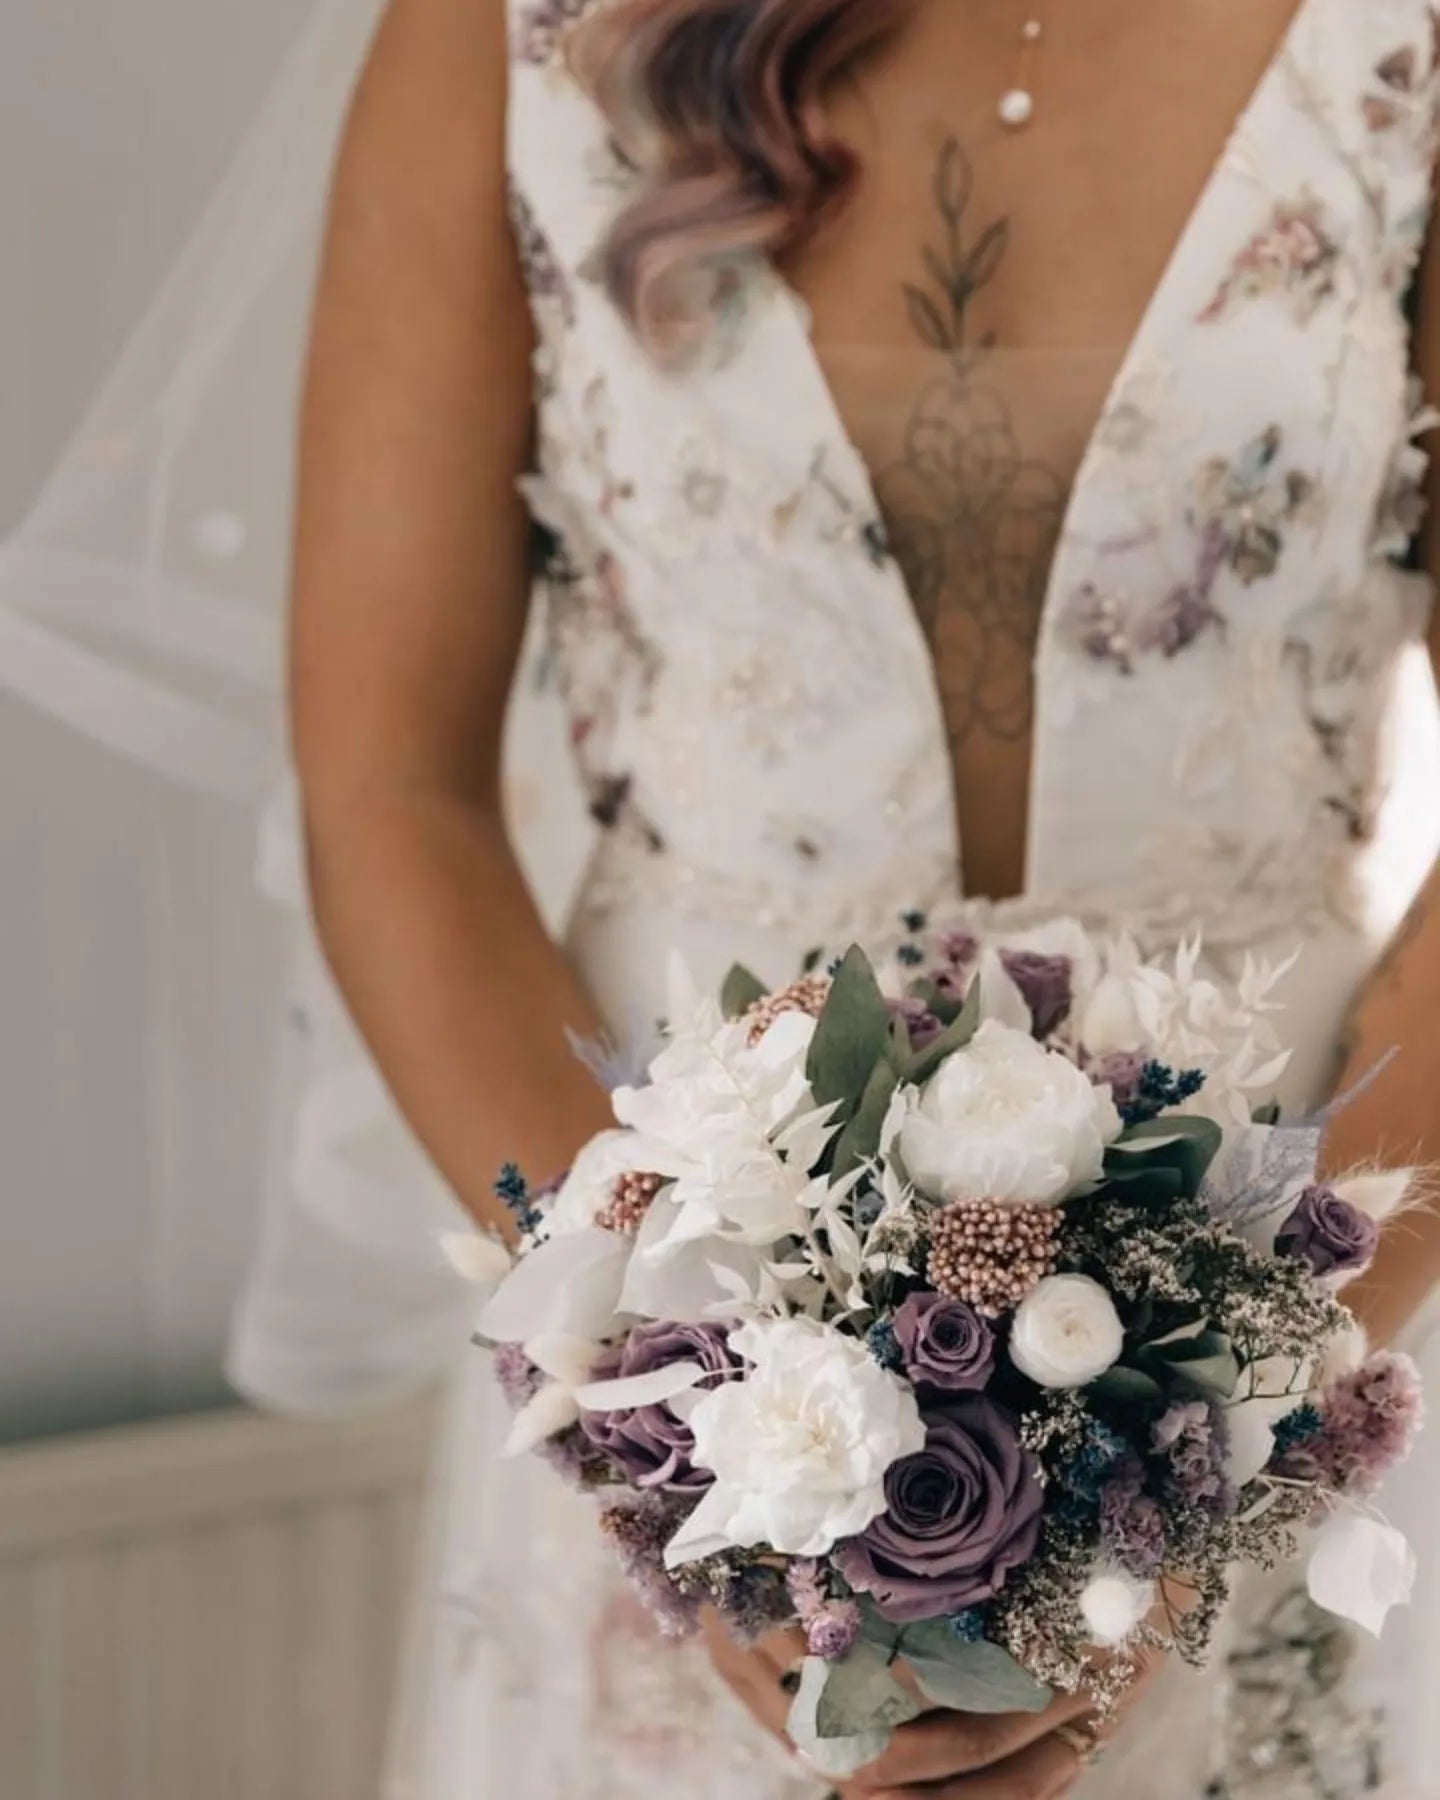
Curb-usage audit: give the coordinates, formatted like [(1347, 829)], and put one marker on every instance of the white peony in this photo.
[(1006, 1119), (1066, 1333), (1114, 1604), (800, 1447)]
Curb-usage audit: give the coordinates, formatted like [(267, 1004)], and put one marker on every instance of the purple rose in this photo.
[(1045, 982), (945, 1343), (651, 1444), (960, 1515), (1329, 1233)]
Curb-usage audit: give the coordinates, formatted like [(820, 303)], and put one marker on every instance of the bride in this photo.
[(957, 448)]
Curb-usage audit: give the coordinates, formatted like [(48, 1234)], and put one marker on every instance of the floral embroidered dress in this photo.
[(1228, 646)]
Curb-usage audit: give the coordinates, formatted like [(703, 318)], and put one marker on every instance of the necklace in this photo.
[(1017, 103)]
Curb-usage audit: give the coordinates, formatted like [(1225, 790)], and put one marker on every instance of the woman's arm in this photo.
[(1397, 1119), (409, 600)]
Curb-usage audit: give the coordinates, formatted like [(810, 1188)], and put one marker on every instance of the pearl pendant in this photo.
[(1017, 108)]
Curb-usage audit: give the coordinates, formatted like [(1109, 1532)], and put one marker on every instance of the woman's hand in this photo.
[(943, 1755)]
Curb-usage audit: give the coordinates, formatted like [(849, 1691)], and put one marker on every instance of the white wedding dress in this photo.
[(1234, 731), (761, 739)]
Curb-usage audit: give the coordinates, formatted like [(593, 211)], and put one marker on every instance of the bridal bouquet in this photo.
[(972, 1311)]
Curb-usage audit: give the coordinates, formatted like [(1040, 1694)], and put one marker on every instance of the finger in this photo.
[(752, 1678), (782, 1650), (941, 1744), (1043, 1770)]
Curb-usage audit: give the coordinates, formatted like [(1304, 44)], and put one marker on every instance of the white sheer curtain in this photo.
[(177, 1077), (129, 1199)]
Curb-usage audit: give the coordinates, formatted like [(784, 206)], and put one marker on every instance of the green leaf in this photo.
[(1146, 1186), (969, 1677), (954, 1037), (861, 1137), (1124, 1386), (851, 1036), (838, 1757), (877, 1630), (1187, 1144), (1206, 1362), (945, 1007), (861, 1695), (741, 991)]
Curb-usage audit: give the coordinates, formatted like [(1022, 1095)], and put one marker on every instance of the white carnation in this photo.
[(1006, 1119), (799, 1448), (1066, 1332)]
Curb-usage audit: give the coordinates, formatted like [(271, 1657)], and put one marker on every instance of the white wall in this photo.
[(116, 117)]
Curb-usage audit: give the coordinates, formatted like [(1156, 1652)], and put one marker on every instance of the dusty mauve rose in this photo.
[(652, 1444), (960, 1515), (1046, 984), (1333, 1236), (945, 1343)]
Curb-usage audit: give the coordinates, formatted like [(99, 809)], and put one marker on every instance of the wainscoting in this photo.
[(206, 1609)]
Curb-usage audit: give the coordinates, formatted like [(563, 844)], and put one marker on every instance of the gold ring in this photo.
[(1081, 1736)]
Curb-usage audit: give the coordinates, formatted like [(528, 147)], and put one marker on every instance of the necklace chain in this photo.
[(1017, 103)]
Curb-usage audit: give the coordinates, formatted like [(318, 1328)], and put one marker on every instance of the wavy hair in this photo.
[(719, 102)]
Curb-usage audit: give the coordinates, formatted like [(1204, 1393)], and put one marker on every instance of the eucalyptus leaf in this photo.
[(1217, 1376), (945, 1007), (954, 1037), (837, 1757), (851, 1035), (1187, 1144), (740, 991), (861, 1137), (1125, 1386), (877, 1630), (1206, 1361), (861, 1695), (973, 1677)]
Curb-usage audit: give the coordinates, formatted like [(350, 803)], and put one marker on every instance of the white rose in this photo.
[(1066, 1332), (1006, 1119), (1114, 1604), (799, 1448)]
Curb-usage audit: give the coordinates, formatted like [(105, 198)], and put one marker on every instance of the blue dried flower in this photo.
[(512, 1189), (913, 921), (1302, 1426), (968, 1626), (868, 1205), (910, 955), (1159, 1088), (1102, 1451), (884, 1346)]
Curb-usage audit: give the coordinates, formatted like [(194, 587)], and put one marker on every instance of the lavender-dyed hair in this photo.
[(720, 101)]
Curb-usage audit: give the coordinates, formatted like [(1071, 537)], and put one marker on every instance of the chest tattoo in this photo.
[(973, 521)]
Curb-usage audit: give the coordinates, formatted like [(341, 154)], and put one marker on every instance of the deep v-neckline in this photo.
[(845, 463)]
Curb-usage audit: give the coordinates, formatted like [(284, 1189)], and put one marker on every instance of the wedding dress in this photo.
[(1235, 732), (1227, 651)]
